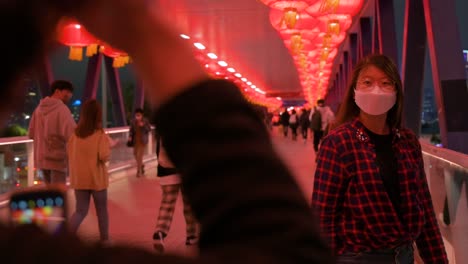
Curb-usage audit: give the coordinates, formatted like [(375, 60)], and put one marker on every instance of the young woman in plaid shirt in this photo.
[(370, 188)]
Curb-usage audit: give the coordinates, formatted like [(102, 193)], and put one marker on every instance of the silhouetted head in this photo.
[(320, 102), (62, 90)]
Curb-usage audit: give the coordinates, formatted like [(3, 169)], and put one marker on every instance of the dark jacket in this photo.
[(284, 118), (145, 130), (304, 119)]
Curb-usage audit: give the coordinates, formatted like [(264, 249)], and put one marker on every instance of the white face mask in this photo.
[(374, 101)]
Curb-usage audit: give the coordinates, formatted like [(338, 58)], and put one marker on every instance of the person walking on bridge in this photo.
[(370, 188), (50, 127)]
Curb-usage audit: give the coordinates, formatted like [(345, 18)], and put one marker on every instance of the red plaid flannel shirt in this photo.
[(355, 211)]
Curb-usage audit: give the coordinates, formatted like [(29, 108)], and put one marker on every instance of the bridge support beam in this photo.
[(412, 65), (448, 72)]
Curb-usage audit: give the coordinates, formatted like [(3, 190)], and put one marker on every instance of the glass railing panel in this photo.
[(447, 174), (17, 157)]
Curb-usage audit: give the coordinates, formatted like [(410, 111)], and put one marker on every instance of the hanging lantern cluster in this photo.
[(220, 69), (73, 34), (313, 30)]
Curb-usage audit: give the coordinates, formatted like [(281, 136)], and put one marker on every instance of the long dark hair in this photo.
[(348, 108), (90, 119)]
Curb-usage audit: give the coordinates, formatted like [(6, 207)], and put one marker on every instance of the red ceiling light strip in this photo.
[(219, 68), (312, 31)]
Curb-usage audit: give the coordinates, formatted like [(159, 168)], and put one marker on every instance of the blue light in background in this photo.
[(77, 103)]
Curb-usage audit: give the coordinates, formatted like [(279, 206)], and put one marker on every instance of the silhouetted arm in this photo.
[(245, 198)]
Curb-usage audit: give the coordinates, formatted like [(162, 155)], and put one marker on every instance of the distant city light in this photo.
[(27, 117), (32, 94), (17, 159), (77, 103)]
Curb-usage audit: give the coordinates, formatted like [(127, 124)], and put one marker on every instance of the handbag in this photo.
[(131, 137)]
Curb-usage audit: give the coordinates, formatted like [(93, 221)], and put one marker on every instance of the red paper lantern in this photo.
[(309, 35), (331, 39), (304, 20), (313, 45), (346, 7), (71, 33), (282, 4), (121, 58), (334, 24), (111, 52)]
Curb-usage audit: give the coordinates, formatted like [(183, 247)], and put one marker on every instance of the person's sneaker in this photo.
[(158, 241), (191, 240)]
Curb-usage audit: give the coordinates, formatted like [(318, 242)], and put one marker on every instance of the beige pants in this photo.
[(138, 152)]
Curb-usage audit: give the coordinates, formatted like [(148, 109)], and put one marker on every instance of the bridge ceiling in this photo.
[(276, 49)]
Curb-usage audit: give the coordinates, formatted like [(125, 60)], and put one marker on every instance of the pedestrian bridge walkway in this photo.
[(134, 202)]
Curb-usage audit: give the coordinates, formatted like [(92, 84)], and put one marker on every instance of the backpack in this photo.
[(316, 120)]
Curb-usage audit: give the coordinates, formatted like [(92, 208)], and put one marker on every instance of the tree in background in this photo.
[(14, 131)]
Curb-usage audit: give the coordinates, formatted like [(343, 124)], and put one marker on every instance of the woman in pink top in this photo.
[(88, 152)]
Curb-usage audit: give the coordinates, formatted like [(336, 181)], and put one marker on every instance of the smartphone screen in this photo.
[(45, 208)]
